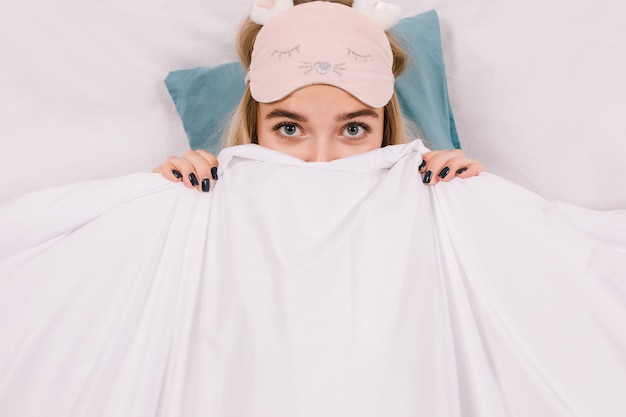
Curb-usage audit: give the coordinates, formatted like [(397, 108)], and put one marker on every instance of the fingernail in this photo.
[(193, 179), (214, 173), (205, 185), (427, 177), (461, 170), (177, 173), (444, 172), (422, 165)]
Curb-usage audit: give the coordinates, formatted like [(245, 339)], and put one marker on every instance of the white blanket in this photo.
[(346, 288)]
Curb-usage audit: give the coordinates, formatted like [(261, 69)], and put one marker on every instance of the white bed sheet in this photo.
[(537, 88), (365, 294)]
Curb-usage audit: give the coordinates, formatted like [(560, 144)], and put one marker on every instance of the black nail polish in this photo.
[(444, 172), (427, 177), (422, 165), (193, 179), (177, 173), (461, 170), (206, 186), (214, 173)]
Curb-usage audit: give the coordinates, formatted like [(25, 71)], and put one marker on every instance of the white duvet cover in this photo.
[(346, 288)]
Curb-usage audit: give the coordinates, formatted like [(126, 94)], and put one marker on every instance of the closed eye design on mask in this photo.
[(359, 57), (287, 53)]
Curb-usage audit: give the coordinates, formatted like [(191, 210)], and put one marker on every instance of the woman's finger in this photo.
[(448, 164)]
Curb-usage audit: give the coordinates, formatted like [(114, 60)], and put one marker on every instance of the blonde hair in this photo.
[(243, 127)]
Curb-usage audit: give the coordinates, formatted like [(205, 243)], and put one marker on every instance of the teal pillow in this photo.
[(206, 97)]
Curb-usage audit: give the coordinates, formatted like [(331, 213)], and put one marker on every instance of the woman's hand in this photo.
[(195, 169), (448, 164)]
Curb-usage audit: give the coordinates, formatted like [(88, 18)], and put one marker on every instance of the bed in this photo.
[(536, 89), (364, 291)]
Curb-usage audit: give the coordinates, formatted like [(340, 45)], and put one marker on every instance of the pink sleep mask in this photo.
[(321, 43)]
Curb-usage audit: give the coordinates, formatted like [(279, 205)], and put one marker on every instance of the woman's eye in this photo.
[(355, 130), (288, 129)]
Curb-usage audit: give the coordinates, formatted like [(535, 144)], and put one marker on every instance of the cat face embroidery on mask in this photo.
[(322, 67)]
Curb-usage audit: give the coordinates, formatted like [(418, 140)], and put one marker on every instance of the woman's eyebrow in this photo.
[(359, 113), (277, 113)]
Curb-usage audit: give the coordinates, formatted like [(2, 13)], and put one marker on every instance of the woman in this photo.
[(195, 168)]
